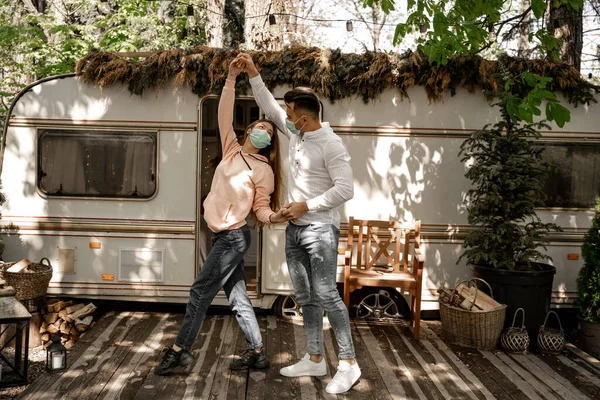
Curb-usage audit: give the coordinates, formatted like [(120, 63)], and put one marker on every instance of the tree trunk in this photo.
[(567, 24), (524, 29), (214, 22), (259, 35)]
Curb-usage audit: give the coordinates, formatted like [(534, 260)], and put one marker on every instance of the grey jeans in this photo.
[(311, 253), (223, 268)]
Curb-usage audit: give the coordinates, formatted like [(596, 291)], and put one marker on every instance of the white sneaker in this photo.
[(305, 367), (346, 376)]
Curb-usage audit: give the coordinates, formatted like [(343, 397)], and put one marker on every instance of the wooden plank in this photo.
[(427, 386), (107, 323), (201, 377), (583, 371), (113, 356), (288, 350), (130, 374), (500, 386), (403, 373), (446, 369), (83, 370), (426, 365), (572, 375), (238, 379), (458, 365), (537, 384), (275, 384), (521, 383), (592, 361), (540, 369), (371, 381), (256, 379), (386, 370), (221, 382), (311, 387)]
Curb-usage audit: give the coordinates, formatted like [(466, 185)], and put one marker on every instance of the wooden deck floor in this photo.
[(114, 360)]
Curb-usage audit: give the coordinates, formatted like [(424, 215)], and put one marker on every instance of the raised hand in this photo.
[(249, 66)]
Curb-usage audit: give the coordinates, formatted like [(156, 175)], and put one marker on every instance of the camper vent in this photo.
[(141, 265), (66, 261)]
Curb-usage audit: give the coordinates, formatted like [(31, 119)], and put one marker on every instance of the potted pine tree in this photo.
[(588, 287), (507, 174)]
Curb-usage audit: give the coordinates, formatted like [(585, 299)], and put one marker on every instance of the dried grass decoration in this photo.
[(515, 339), (551, 340), (331, 73)]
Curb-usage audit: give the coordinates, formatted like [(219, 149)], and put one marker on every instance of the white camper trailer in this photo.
[(109, 185)]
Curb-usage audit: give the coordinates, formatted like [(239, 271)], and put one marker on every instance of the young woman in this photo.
[(246, 182)]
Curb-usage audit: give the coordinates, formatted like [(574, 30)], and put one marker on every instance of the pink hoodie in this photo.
[(241, 182)]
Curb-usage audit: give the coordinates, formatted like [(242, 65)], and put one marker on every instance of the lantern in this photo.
[(56, 356)]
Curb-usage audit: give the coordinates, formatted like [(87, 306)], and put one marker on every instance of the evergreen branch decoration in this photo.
[(588, 281), (331, 73)]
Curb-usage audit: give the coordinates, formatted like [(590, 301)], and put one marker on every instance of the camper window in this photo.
[(85, 163), (576, 181)]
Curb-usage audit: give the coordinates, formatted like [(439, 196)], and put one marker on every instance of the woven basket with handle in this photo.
[(515, 339), (29, 285), (551, 340), (472, 328)]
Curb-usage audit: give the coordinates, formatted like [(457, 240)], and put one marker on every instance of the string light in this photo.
[(190, 15), (349, 26), (423, 30), (492, 33)]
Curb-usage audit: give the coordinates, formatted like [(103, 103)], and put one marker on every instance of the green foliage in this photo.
[(588, 281), (34, 45), (507, 175), (2, 201), (462, 27)]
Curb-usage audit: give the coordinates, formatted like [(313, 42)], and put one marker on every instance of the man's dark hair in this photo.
[(304, 99)]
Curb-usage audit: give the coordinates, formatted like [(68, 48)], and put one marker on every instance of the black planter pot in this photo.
[(530, 290)]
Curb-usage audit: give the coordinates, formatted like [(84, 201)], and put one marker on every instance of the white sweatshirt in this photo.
[(319, 172)]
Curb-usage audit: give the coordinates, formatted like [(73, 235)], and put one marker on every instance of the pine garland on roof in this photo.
[(331, 73)]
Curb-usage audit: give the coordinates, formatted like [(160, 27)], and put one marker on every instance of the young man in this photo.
[(320, 180)]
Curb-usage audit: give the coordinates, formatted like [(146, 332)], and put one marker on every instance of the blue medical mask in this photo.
[(292, 126), (260, 138)]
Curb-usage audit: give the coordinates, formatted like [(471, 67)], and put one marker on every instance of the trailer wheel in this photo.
[(372, 302), (288, 307)]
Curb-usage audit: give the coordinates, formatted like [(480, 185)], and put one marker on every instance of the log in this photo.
[(73, 308), (69, 344), (90, 308), (74, 333), (59, 305), (65, 327), (63, 340), (51, 318), (482, 302), (45, 337), (83, 324), (19, 266), (52, 328), (43, 327)]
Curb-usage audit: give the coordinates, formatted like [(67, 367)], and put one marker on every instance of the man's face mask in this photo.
[(292, 126), (260, 138)]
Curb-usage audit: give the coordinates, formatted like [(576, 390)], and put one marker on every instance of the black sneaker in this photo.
[(250, 358), (173, 359)]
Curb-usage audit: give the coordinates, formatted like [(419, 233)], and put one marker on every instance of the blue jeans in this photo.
[(311, 253), (224, 268)]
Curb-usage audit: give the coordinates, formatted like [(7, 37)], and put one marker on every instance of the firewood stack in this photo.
[(468, 298), (67, 320)]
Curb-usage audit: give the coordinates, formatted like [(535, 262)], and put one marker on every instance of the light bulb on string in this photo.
[(423, 31), (190, 15), (492, 33)]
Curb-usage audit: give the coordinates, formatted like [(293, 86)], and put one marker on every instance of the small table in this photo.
[(14, 328)]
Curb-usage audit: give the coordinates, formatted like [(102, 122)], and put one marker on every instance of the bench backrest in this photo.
[(385, 245)]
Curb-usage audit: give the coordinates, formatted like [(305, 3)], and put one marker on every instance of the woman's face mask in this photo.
[(292, 126), (260, 138)]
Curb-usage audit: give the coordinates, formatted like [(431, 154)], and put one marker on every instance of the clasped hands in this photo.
[(290, 212)]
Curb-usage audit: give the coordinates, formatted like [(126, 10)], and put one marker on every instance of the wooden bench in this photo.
[(385, 254)]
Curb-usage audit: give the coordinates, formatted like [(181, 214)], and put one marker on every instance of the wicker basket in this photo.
[(476, 329), (551, 340), (515, 339), (29, 285)]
